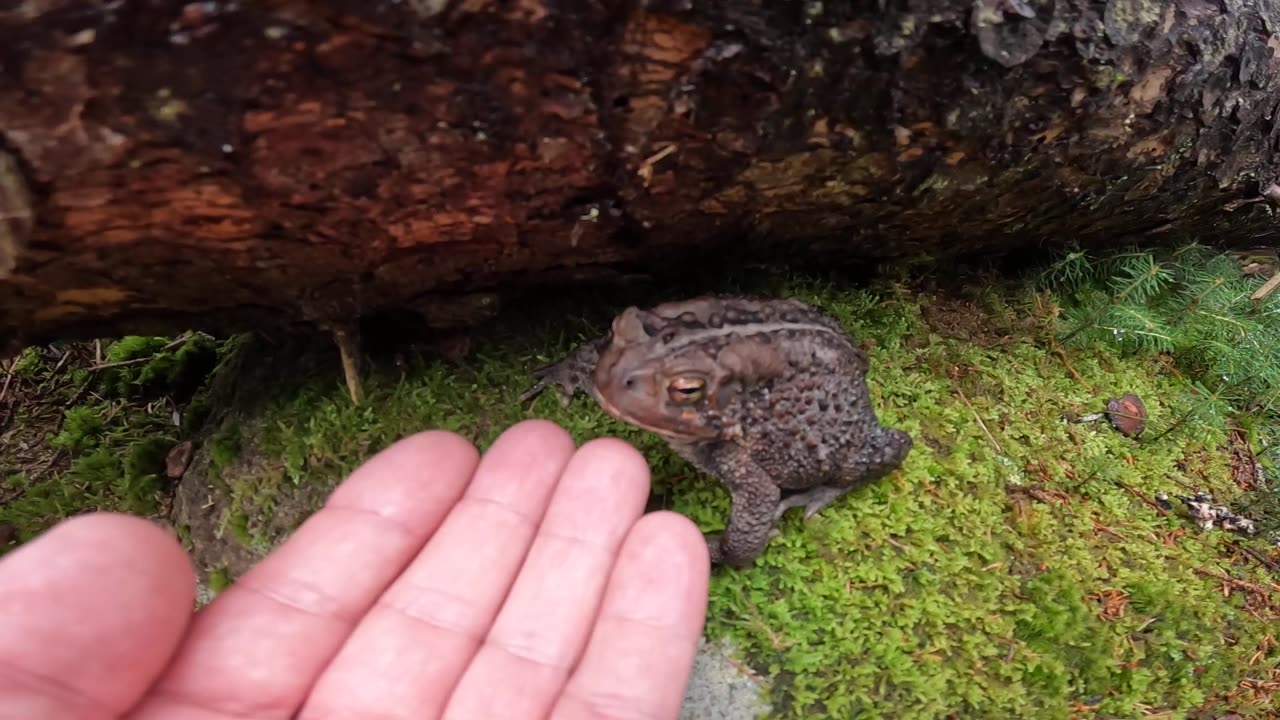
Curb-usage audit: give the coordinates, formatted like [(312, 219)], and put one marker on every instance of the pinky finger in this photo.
[(640, 654)]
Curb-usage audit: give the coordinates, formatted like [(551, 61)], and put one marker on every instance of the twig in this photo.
[(1271, 564), (120, 363), (1234, 582), (8, 378), (61, 361), (348, 342), (1108, 531), (981, 424), (744, 670), (1071, 369), (1267, 288), (4, 393), (1134, 492), (1164, 360)]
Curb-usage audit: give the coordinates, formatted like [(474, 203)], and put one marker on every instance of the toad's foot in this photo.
[(715, 547), (811, 500), (568, 376), (719, 553)]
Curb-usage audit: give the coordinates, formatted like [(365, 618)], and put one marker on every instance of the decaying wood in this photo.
[(172, 165), (1267, 288)]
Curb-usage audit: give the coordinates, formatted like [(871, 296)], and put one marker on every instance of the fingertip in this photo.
[(93, 608), (617, 455), (544, 435), (542, 427), (604, 477), (428, 468), (618, 448), (80, 538), (667, 548), (428, 444), (677, 534)]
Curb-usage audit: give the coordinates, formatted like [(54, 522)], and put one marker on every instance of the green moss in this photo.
[(1060, 634), (183, 533), (219, 580), (199, 411), (173, 367), (110, 447), (144, 468), (237, 523), (82, 429), (948, 587), (28, 362), (224, 449), (97, 470), (1009, 569)]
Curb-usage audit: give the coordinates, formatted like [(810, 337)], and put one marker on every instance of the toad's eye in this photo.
[(686, 389)]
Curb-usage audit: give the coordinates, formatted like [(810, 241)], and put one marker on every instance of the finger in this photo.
[(90, 612), (408, 652), (545, 621), (258, 647), (641, 652)]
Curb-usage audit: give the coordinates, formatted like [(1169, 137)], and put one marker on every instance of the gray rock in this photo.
[(719, 690)]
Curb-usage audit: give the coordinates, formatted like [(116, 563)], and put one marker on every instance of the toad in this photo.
[(767, 395)]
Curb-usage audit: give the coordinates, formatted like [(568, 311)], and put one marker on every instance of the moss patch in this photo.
[(87, 426), (1016, 566)]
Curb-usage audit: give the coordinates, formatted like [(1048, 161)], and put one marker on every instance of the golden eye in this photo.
[(686, 389)]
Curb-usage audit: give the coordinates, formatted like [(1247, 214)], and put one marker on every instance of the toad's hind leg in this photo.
[(812, 500), (880, 455)]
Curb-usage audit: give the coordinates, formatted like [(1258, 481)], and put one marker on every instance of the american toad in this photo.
[(767, 395)]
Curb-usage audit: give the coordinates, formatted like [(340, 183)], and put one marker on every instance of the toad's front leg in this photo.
[(569, 375), (751, 519)]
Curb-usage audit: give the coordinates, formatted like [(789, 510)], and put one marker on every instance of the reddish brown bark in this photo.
[(167, 165)]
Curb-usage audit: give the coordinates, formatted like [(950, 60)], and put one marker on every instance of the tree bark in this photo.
[(170, 165)]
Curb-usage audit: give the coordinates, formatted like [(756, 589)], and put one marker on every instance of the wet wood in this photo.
[(171, 165)]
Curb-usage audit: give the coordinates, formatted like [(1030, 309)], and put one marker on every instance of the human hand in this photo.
[(433, 584)]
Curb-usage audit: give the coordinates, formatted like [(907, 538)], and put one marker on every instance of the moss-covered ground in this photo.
[(88, 427), (1018, 566)]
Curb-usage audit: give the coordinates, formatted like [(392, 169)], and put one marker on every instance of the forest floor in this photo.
[(1022, 563)]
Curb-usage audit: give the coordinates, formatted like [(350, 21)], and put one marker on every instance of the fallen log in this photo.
[(171, 165)]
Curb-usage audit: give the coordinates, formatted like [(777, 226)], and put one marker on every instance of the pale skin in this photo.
[(434, 583)]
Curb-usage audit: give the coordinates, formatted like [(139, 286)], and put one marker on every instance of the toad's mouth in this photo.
[(666, 432)]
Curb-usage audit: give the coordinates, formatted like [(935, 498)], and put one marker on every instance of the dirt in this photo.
[(964, 319), (31, 411), (1246, 472)]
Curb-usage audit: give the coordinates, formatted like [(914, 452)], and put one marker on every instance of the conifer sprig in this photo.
[(1195, 305)]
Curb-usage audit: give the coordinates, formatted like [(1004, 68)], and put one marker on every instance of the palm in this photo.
[(433, 584)]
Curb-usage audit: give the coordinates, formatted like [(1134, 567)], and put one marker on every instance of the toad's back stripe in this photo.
[(680, 343)]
